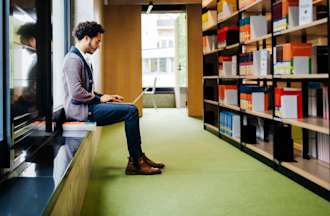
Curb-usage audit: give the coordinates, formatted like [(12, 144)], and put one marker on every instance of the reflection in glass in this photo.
[(23, 63)]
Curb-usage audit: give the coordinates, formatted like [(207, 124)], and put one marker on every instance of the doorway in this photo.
[(164, 59)]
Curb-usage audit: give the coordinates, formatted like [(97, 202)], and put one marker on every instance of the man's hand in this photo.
[(111, 98)]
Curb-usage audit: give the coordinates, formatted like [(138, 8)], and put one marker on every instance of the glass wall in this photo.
[(1, 75), (24, 70)]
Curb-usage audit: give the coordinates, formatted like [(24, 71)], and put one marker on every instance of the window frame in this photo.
[(4, 70), (1, 79)]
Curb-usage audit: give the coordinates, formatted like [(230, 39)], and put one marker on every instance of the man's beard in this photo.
[(90, 49)]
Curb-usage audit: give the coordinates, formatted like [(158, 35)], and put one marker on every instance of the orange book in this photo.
[(291, 50)]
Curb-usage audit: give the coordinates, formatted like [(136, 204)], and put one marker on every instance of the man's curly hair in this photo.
[(90, 29), (27, 32)]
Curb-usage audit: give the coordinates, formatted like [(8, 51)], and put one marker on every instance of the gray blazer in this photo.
[(76, 85)]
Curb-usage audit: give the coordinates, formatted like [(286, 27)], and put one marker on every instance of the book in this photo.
[(305, 11), (290, 107)]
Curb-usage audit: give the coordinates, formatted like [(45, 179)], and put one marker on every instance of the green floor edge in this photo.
[(204, 175)]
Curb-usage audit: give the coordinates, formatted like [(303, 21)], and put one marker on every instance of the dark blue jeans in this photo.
[(110, 113)]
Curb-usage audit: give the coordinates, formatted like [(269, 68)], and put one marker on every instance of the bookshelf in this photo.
[(303, 76), (210, 77), (265, 37), (228, 18), (224, 66), (263, 148), (318, 27), (212, 102), (257, 6), (231, 107)]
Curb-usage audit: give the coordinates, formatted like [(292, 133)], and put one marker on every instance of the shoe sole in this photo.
[(141, 173)]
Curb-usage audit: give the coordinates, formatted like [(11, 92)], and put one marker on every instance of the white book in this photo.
[(227, 10), (258, 101), (227, 67), (260, 132), (258, 25), (280, 25), (301, 65), (211, 18), (312, 102), (256, 63), (236, 126), (264, 63), (323, 148), (293, 17), (312, 144), (289, 106), (282, 68), (234, 65), (305, 11), (230, 97)]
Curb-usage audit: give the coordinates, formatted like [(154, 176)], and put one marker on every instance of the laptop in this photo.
[(134, 101)]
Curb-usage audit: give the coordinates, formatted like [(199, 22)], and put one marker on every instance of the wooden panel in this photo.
[(72, 192), (122, 52), (163, 2), (195, 61)]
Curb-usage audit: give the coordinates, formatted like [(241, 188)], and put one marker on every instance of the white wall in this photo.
[(58, 53), (91, 10)]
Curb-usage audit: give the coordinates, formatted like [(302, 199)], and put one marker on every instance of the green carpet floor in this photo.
[(204, 176)]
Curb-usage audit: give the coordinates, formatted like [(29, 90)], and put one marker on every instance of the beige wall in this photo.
[(91, 10), (122, 51), (98, 56), (195, 61)]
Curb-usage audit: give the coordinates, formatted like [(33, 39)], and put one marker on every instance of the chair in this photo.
[(152, 92)]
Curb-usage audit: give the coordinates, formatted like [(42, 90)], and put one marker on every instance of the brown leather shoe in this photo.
[(152, 163), (144, 169)]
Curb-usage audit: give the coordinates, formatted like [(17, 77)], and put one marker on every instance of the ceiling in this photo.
[(155, 2)]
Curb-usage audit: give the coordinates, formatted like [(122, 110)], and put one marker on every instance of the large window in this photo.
[(158, 65)]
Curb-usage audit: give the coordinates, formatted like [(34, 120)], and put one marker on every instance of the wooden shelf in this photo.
[(232, 107), (212, 127), (302, 76), (315, 124), (229, 77), (232, 46), (265, 37), (214, 27), (256, 77), (318, 2), (210, 77), (210, 52), (258, 6), (238, 140), (263, 148), (315, 170), (310, 28), (228, 18), (229, 47), (211, 102), (267, 115), (211, 4)]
